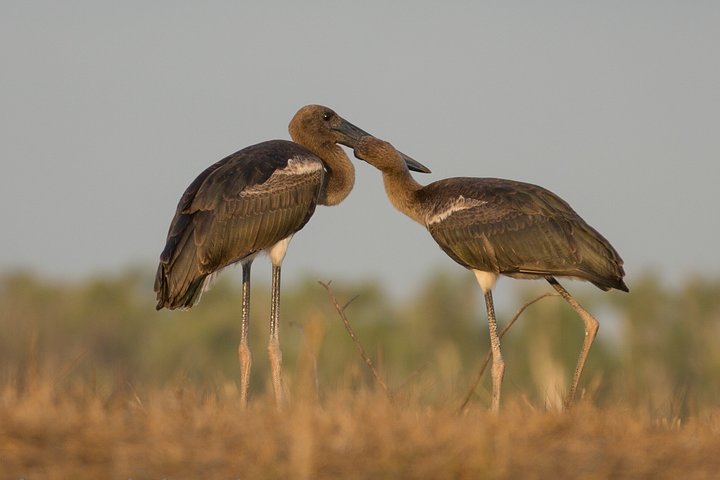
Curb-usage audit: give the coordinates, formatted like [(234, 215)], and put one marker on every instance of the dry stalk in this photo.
[(361, 350), (484, 365), (308, 384)]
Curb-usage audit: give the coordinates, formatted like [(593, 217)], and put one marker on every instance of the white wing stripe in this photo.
[(443, 212), (296, 167)]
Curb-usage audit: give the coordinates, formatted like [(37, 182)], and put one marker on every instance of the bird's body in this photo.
[(517, 229), (498, 227), (252, 201), (240, 206)]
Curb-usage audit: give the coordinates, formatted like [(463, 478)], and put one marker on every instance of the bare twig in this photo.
[(341, 311), (137, 397), (484, 365)]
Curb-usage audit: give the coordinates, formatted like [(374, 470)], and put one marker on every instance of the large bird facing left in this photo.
[(494, 227), (254, 201)]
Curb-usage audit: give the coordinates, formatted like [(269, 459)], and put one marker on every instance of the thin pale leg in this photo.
[(498, 366), (591, 329), (243, 349), (274, 351), (277, 254)]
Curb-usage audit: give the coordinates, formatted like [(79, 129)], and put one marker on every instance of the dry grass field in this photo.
[(94, 384), (187, 433)]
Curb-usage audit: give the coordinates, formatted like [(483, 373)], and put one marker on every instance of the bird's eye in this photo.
[(327, 116)]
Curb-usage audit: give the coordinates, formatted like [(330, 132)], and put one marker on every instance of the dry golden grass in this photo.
[(74, 405), (351, 434)]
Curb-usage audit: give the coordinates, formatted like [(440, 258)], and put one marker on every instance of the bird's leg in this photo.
[(498, 365), (591, 329), (243, 349), (274, 351)]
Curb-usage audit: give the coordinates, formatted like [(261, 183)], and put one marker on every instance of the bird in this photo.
[(251, 202), (495, 227)]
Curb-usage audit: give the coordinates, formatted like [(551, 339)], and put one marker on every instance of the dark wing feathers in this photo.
[(518, 229), (239, 227), (234, 209)]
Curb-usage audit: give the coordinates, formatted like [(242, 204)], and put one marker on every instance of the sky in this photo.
[(108, 110)]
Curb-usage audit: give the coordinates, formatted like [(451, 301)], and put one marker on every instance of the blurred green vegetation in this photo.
[(657, 347)]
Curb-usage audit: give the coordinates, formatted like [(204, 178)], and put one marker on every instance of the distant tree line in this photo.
[(657, 347)]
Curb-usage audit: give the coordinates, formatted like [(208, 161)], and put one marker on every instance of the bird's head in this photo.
[(315, 125)]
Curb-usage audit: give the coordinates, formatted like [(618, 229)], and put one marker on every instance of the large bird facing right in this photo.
[(254, 201), (502, 227)]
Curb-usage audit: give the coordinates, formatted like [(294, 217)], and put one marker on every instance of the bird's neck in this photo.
[(401, 188), (340, 176)]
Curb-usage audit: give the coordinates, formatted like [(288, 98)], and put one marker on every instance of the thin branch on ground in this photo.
[(486, 361), (341, 311)]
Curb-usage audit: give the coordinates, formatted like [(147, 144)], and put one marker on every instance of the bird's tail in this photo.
[(179, 282), (600, 261), (172, 294)]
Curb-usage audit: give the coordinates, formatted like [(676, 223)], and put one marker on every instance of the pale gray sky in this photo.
[(109, 109)]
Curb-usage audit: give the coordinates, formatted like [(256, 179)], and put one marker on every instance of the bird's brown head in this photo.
[(315, 125), (383, 156), (318, 128)]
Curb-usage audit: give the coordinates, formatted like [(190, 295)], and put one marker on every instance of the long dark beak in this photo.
[(414, 165), (350, 135)]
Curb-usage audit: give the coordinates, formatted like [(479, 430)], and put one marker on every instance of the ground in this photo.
[(183, 432)]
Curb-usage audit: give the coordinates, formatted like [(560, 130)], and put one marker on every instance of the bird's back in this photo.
[(234, 209), (517, 229)]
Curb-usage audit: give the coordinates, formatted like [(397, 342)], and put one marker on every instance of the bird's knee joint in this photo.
[(591, 328)]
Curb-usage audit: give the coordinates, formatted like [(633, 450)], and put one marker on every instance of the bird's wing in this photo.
[(237, 207), (518, 229), (233, 221)]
